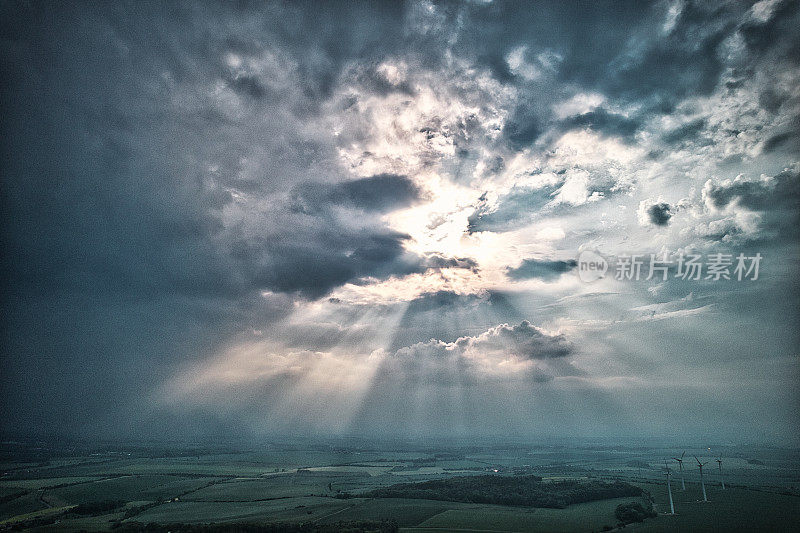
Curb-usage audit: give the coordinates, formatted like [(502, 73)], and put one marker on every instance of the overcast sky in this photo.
[(365, 218)]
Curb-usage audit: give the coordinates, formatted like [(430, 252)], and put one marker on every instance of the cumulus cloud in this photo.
[(504, 352), (525, 341)]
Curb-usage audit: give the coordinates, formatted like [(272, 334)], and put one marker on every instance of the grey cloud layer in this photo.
[(543, 269), (163, 165)]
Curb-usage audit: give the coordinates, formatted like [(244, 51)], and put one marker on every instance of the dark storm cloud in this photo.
[(108, 211), (152, 187), (249, 85), (380, 193), (323, 38), (314, 261), (435, 301), (620, 50), (117, 162), (587, 45), (776, 35), (782, 139), (659, 214), (772, 99), (314, 258), (604, 122), (522, 131), (788, 140), (658, 69), (687, 132), (779, 192), (776, 199), (541, 269)]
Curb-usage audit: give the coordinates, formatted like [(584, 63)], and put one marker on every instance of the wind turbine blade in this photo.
[(684, 453)]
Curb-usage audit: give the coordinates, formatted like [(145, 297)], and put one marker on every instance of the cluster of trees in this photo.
[(628, 513), (528, 491), (97, 508)]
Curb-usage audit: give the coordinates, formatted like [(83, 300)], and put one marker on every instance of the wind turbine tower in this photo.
[(702, 484), (669, 489), (680, 467), (722, 479)]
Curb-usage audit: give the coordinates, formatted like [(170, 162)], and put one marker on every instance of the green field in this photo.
[(289, 509), (326, 487), (305, 484), (42, 483), (406, 512), (734, 509), (25, 504), (579, 517)]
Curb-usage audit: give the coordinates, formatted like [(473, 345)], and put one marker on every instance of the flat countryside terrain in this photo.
[(368, 487)]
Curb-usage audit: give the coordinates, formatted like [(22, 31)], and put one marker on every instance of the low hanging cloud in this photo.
[(521, 352), (656, 214), (379, 193), (314, 256)]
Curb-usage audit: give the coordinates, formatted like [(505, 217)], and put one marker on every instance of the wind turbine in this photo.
[(680, 466), (669, 488), (702, 484), (722, 479)]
